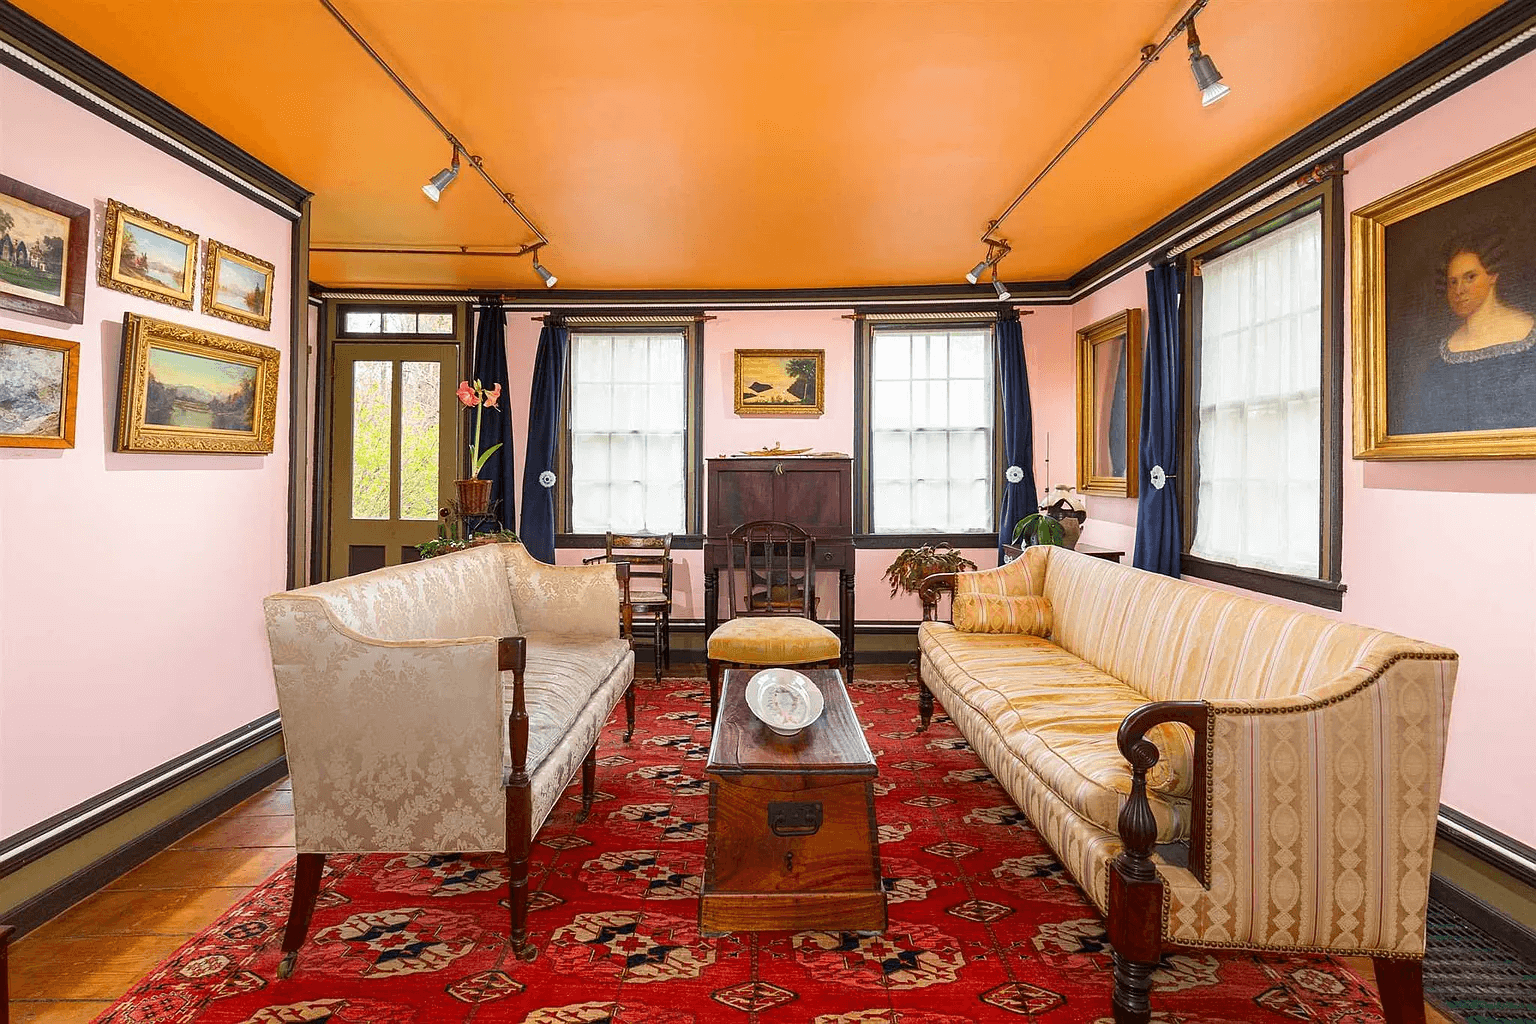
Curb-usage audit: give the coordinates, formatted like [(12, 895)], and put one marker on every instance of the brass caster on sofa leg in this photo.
[(286, 965), (526, 952)]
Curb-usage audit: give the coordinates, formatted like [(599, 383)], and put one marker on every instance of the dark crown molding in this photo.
[(49, 47)]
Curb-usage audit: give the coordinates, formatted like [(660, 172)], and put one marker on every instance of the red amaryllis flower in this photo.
[(467, 394), (493, 396)]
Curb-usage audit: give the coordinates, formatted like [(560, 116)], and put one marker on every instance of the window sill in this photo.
[(1318, 593), (912, 540)]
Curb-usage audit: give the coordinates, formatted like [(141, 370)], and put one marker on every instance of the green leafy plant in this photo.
[(914, 565), (1038, 528)]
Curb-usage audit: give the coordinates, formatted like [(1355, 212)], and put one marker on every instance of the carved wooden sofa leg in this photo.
[(924, 703), (306, 889), (1401, 984), (513, 656), (588, 781)]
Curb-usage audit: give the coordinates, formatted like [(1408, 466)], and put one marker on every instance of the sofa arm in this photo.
[(930, 590), (569, 600), (392, 745), (1320, 811)]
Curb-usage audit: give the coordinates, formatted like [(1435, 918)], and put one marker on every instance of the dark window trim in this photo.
[(863, 483), (1326, 591), (912, 540), (453, 309), (599, 542), (693, 434)]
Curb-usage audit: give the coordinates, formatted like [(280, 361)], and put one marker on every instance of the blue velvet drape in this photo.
[(538, 525), (1020, 497), (1159, 529), (496, 424)]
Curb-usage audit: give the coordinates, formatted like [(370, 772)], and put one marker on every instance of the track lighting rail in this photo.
[(1149, 54), (458, 147)]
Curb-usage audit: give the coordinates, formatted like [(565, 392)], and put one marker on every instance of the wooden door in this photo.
[(394, 450)]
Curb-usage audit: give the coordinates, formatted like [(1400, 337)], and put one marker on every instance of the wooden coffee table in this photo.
[(792, 840)]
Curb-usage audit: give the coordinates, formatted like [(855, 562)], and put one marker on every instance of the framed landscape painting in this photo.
[(43, 242), (185, 390), (145, 256), (1109, 404), (1445, 313), (780, 381), (237, 286), (39, 380)]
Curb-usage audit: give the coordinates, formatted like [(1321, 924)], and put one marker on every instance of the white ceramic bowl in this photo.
[(784, 700)]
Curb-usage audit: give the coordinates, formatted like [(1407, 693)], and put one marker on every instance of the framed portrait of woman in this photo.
[(1445, 313)]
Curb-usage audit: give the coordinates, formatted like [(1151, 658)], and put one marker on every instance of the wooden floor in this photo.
[(73, 968)]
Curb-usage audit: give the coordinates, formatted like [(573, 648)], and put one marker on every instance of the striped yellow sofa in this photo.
[(1213, 771)]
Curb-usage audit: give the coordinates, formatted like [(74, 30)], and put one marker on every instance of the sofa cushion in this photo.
[(994, 613), (562, 674), (773, 640), (1059, 715)]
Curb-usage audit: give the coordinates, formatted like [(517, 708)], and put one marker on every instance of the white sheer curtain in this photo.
[(1258, 450), (629, 416), (931, 431)]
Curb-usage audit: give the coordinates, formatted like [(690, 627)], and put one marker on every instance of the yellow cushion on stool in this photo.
[(773, 640)]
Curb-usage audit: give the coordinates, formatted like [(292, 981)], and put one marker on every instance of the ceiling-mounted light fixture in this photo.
[(999, 287), (975, 272), (442, 179), (1206, 75), (548, 278)]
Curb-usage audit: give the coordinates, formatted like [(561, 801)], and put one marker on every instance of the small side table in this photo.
[(1012, 551)]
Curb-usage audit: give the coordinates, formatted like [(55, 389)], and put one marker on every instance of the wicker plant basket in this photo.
[(474, 496)]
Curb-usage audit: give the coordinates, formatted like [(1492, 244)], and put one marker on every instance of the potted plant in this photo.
[(474, 493), (914, 565), (1038, 528)]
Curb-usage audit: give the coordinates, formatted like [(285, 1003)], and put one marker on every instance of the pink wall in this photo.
[(1439, 551), (130, 585)]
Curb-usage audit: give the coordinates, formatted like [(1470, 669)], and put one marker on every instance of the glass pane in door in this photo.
[(420, 384), (372, 415)]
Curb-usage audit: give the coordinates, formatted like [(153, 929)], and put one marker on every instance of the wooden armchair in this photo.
[(771, 595), (650, 586)]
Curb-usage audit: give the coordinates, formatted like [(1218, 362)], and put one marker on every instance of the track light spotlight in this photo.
[(548, 278), (978, 270), (999, 287), (442, 179), (1207, 77)]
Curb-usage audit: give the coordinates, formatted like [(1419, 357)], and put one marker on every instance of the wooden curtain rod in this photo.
[(597, 320), (980, 314)]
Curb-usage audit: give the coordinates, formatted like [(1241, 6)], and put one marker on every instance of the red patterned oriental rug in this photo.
[(985, 925)]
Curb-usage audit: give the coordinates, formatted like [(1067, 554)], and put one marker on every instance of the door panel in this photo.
[(394, 450)]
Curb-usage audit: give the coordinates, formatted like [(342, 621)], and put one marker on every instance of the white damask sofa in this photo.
[(1213, 771), (443, 706)]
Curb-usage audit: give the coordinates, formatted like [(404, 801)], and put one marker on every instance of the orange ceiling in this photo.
[(746, 143)]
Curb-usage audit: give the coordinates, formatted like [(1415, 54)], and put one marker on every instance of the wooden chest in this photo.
[(792, 838)]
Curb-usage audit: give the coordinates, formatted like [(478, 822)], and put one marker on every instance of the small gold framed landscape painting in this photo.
[(236, 286), (780, 381), (145, 256), (39, 379), (185, 390), (1109, 404), (1445, 313)]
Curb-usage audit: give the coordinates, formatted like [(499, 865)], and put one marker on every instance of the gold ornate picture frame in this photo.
[(39, 388), (1109, 404), (780, 381), (185, 390), (146, 256), (1444, 297), (237, 286)]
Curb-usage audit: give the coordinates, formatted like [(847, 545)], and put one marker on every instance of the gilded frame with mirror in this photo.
[(185, 390), (1426, 387), (1109, 404)]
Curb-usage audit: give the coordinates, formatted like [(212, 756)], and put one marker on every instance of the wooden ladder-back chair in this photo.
[(771, 603), (650, 586)]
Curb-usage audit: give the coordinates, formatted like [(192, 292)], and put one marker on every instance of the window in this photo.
[(628, 417), (408, 322), (1262, 419), (931, 425)]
